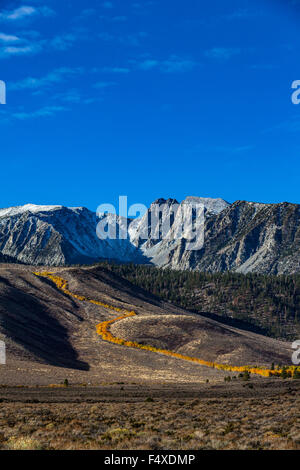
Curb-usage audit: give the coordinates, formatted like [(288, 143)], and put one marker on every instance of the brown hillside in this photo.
[(51, 336)]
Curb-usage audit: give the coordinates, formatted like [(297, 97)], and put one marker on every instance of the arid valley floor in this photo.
[(160, 417)]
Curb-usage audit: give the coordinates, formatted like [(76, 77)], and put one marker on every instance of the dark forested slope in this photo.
[(269, 303)]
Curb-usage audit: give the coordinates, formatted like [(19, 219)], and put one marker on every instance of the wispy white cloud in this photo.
[(63, 42), (103, 85), (264, 66), (25, 12), (74, 96), (52, 78), (105, 36), (25, 42), (222, 53), (148, 64), (11, 45), (226, 149), (119, 19), (88, 12), (8, 38), (134, 39), (108, 5), (121, 70), (29, 34), (66, 40), (233, 149), (18, 13), (173, 64), (142, 7), (46, 11), (60, 103), (69, 96), (177, 64), (28, 49), (290, 125), (85, 14), (46, 111)]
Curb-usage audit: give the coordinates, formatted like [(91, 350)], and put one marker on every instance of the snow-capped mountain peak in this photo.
[(33, 208), (215, 206)]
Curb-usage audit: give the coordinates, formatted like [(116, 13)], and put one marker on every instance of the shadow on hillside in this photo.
[(32, 326), (240, 324)]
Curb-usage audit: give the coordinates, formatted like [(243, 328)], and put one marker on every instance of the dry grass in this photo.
[(236, 423)]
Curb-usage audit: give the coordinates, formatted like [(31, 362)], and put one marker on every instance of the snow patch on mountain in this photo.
[(33, 208), (215, 206)]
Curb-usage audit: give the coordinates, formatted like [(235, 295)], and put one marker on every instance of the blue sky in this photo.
[(149, 99)]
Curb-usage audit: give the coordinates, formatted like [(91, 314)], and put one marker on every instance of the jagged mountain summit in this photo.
[(242, 237), (170, 250), (213, 206)]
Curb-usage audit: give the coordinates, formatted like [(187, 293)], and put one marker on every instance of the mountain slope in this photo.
[(57, 235), (251, 237), (265, 304), (45, 328)]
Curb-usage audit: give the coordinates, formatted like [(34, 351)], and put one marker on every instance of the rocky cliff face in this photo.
[(172, 249), (243, 237), (251, 237)]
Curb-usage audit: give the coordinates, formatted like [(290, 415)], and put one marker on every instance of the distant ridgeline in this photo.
[(261, 303), (243, 237)]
